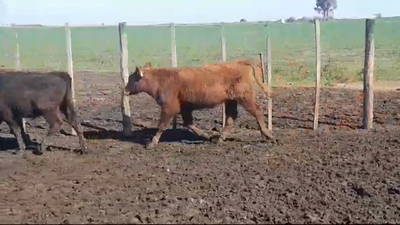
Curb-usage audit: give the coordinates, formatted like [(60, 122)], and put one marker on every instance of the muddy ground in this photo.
[(336, 174)]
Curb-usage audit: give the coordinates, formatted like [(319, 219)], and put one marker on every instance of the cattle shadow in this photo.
[(143, 135), (10, 143)]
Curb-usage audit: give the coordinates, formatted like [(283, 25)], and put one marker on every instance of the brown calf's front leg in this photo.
[(167, 113), (187, 118)]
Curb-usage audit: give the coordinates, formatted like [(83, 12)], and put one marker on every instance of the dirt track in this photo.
[(336, 174)]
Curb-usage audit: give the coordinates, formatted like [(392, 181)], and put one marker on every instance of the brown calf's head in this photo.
[(135, 82)]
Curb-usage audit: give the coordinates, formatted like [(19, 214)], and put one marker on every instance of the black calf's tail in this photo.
[(67, 107), (69, 111)]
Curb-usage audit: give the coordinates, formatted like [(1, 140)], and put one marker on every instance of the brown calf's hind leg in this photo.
[(231, 114), (167, 113), (53, 119), (254, 109), (187, 118)]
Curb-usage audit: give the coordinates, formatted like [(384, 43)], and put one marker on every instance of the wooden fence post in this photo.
[(269, 80), (6, 47), (70, 64), (125, 107), (223, 55), (223, 45), (174, 62), (17, 60), (317, 71), (263, 70), (368, 109), (17, 56)]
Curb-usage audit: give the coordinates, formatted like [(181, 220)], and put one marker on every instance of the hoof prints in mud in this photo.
[(336, 174)]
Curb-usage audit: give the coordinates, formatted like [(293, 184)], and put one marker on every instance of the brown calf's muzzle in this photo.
[(131, 88), (126, 91)]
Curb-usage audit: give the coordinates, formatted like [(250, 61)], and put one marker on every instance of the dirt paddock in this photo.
[(336, 174)]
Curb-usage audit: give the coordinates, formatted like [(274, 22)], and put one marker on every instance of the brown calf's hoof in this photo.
[(150, 145), (217, 139), (272, 138), (275, 141)]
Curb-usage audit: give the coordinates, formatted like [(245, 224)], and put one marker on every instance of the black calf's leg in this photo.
[(25, 136), (54, 120), (73, 121), (16, 130)]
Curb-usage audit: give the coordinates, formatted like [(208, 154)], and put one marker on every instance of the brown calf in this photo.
[(183, 90)]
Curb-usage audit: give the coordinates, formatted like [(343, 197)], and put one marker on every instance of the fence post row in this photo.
[(317, 43), (223, 57), (70, 65), (368, 109), (125, 107), (174, 63), (367, 120)]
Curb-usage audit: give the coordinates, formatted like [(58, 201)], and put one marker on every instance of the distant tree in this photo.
[(326, 8), (290, 20), (243, 20)]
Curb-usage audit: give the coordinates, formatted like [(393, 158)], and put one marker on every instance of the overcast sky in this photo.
[(57, 12)]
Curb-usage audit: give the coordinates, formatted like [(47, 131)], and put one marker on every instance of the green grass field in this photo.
[(97, 48)]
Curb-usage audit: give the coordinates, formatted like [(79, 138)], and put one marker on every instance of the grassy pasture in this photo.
[(97, 48)]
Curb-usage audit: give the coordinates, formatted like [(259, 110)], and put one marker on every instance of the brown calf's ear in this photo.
[(147, 65), (137, 70)]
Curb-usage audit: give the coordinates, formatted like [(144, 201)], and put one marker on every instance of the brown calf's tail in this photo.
[(257, 72)]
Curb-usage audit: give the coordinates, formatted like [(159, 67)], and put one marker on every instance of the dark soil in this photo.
[(339, 173)]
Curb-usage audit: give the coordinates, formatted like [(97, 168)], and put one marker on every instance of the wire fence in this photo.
[(97, 48)]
